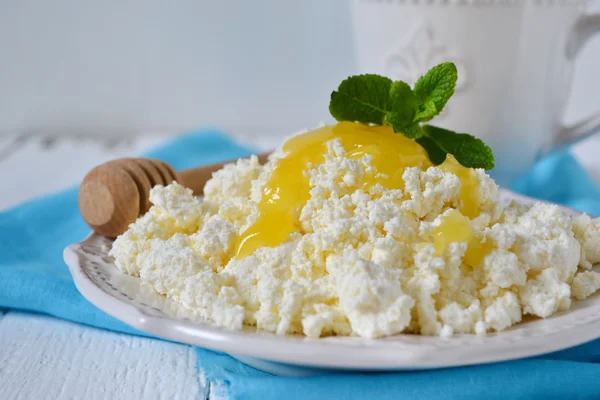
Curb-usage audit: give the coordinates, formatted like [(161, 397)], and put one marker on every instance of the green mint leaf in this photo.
[(426, 112), (436, 86), (362, 98), (413, 131), (398, 123), (435, 153), (404, 105), (468, 150)]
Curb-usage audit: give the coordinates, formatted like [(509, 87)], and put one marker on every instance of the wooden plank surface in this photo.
[(45, 358)]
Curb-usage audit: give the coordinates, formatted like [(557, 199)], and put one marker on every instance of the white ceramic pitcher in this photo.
[(515, 61)]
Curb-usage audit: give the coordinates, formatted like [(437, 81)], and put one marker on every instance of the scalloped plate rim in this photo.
[(335, 353)]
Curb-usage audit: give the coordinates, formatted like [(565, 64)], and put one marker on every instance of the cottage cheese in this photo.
[(363, 261)]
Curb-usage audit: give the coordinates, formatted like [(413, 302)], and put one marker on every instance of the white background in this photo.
[(124, 67)]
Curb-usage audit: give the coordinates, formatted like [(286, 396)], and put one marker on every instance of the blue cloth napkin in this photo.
[(33, 277)]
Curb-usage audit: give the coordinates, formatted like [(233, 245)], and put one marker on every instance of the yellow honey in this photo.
[(469, 191), (287, 190), (476, 251), (455, 227)]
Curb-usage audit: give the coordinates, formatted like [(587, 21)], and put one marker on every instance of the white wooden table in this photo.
[(46, 358)]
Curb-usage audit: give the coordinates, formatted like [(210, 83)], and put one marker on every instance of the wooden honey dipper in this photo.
[(116, 193)]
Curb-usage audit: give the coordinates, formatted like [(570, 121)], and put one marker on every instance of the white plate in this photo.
[(122, 296)]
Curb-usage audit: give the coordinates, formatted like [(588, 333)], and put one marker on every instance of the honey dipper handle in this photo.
[(195, 178)]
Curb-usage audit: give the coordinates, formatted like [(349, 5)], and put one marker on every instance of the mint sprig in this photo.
[(374, 99)]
